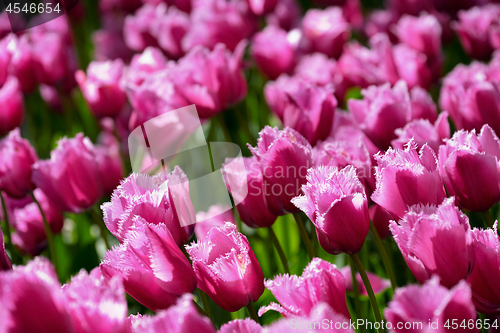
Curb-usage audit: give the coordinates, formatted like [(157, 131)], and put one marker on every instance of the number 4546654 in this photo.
[(471, 324), (33, 8)]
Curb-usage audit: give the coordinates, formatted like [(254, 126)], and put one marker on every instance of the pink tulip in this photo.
[(422, 105), (109, 42), (421, 33), (241, 326), (405, 178), (464, 155), (215, 217), (327, 30), (260, 7), (154, 270), (337, 205), (5, 263), (138, 28), (418, 307), (321, 281), (18, 156), (102, 87), (70, 179), (378, 284), (226, 268), (179, 318), (381, 21), (21, 61), (273, 52), (140, 197), (284, 158), (151, 60), (436, 240), (30, 232), (170, 30), (31, 299), (109, 162), (94, 304), (286, 15), (60, 25), (5, 57), (486, 272), (219, 21), (381, 219), (422, 132), (11, 99), (411, 66)]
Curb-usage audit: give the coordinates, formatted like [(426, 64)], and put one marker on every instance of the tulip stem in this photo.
[(204, 301), (252, 313), (200, 310), (49, 234), (488, 219), (279, 249), (220, 120), (368, 287), (355, 288), (100, 223), (304, 235), (385, 257), (10, 246)]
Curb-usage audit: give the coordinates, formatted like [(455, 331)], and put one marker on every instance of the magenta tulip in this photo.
[(151, 60), (18, 156), (5, 263), (154, 270), (109, 42), (260, 7), (138, 28), (216, 216), (11, 99), (241, 326), (466, 154), (284, 158), (381, 21), (411, 66), (170, 30), (321, 281), (226, 268), (286, 15), (378, 284), (381, 219), (109, 162), (336, 202), (405, 178), (21, 63), (486, 272), (421, 33)]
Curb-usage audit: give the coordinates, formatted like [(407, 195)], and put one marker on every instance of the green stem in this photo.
[(100, 223), (385, 257), (200, 310), (304, 235), (368, 287), (355, 287), (488, 220), (222, 124), (279, 249), (49, 234), (252, 313), (10, 246), (204, 301)]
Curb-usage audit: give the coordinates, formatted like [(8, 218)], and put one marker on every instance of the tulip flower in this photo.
[(327, 30), (378, 284), (436, 240), (422, 33), (260, 7), (284, 158), (170, 30), (321, 281), (102, 87), (226, 268), (422, 105), (30, 232), (142, 65), (486, 272), (464, 155), (11, 99), (138, 28), (18, 49), (411, 7), (336, 202), (31, 299), (381, 21), (109, 162), (70, 179), (179, 318), (273, 52), (286, 15), (418, 307), (252, 210), (405, 178), (18, 156), (241, 326), (5, 263), (381, 219), (109, 42), (154, 270), (216, 216), (411, 66), (94, 304)]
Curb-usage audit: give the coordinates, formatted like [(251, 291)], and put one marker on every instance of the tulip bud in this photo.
[(11, 99), (284, 158), (464, 155), (226, 268)]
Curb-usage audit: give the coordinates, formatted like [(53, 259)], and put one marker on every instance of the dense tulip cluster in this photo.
[(361, 155)]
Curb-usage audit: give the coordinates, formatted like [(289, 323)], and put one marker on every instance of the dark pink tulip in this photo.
[(109, 162), (379, 284), (30, 233), (412, 66), (307, 108), (422, 132), (103, 88), (170, 30), (11, 99), (411, 7), (417, 306), (473, 29), (380, 219), (241, 326), (260, 7), (128, 6), (421, 33), (286, 15), (21, 61), (436, 240), (140, 197), (337, 205), (17, 157), (31, 300), (179, 318), (327, 30), (109, 42), (284, 158), (486, 272), (273, 52), (219, 21), (381, 21), (154, 270), (465, 156), (252, 210), (142, 65), (70, 179), (216, 216), (321, 281), (405, 178), (422, 105), (5, 263), (96, 305), (226, 268), (4, 58), (138, 29), (60, 25)]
